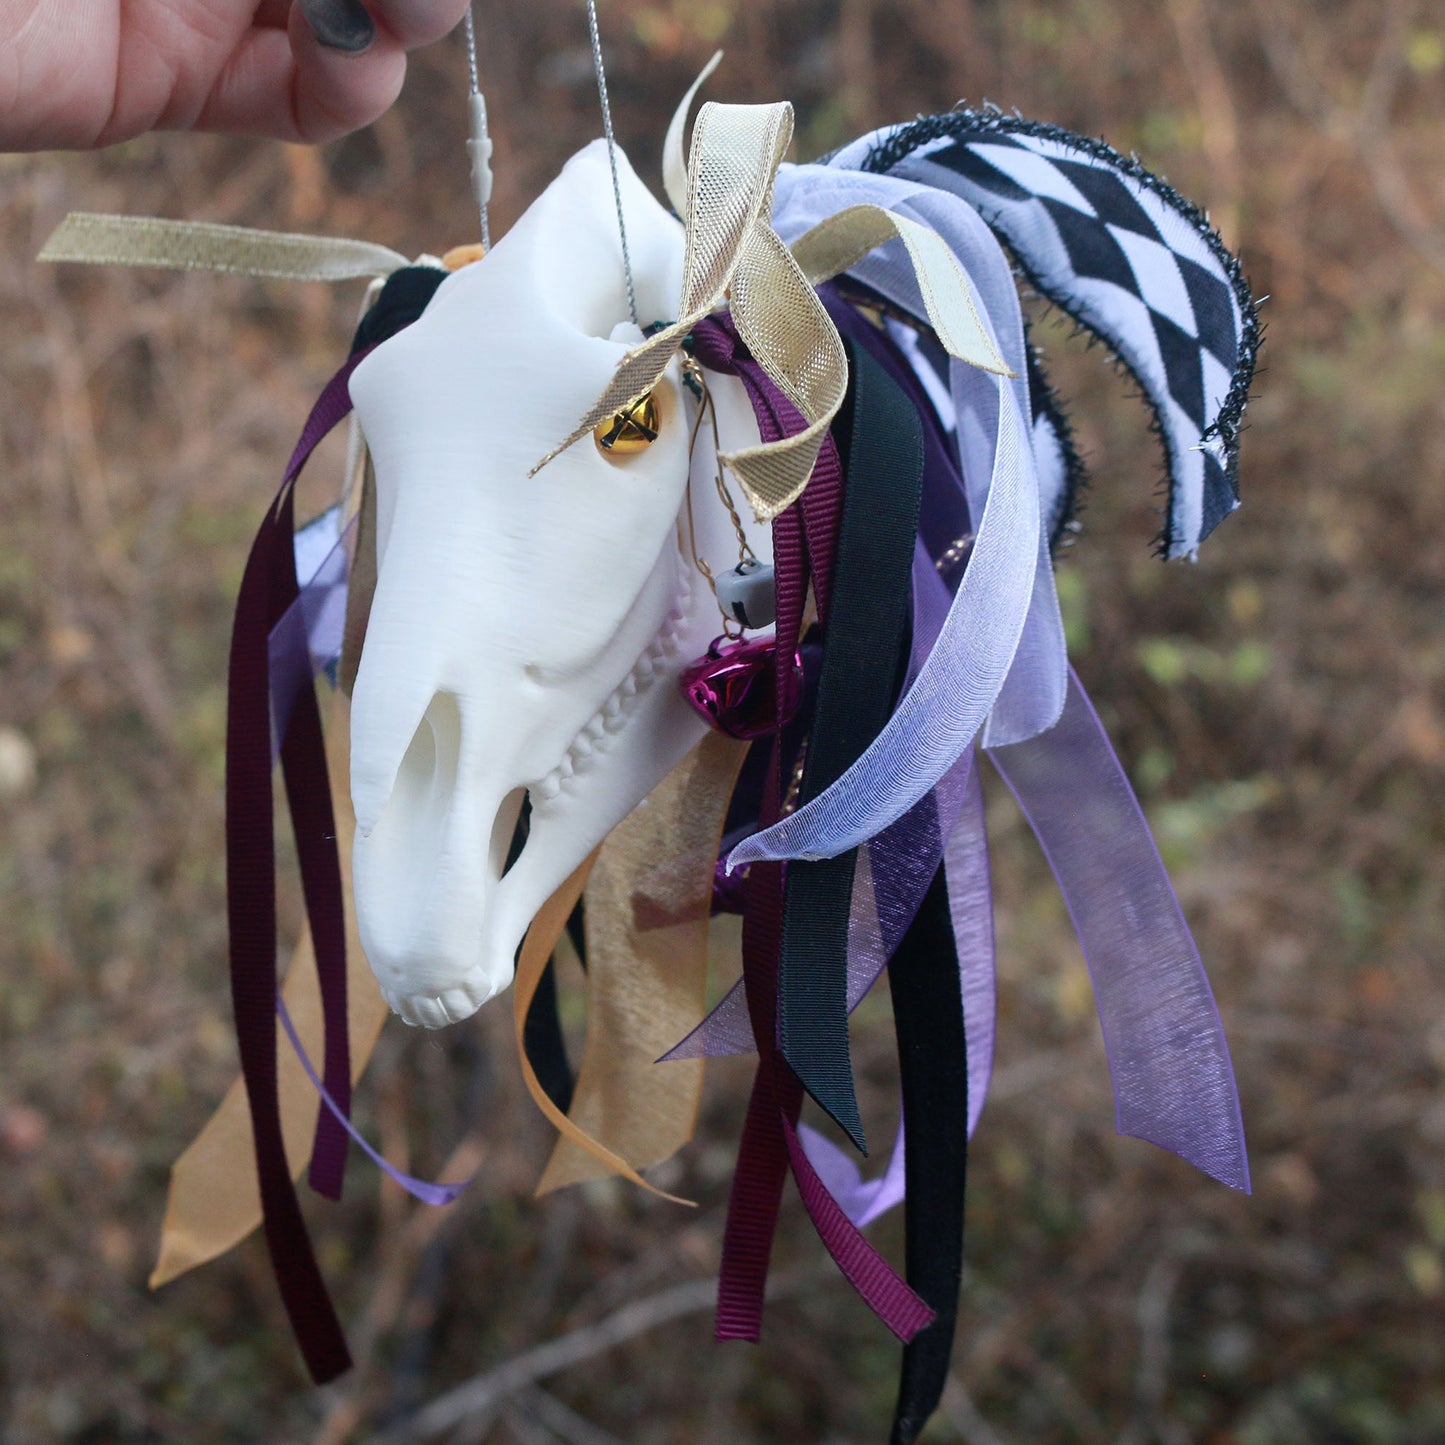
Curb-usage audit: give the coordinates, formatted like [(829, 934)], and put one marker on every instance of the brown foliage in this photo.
[(1281, 707)]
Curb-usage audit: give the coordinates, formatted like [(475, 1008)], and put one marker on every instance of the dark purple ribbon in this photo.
[(306, 641), (268, 589)]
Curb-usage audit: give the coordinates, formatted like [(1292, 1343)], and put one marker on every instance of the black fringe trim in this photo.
[(901, 142)]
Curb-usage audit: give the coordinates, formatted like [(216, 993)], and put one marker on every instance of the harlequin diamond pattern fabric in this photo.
[(1126, 256)]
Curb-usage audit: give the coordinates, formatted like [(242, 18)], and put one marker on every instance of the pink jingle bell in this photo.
[(735, 687)]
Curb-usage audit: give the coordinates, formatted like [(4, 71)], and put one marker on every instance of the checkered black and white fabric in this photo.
[(1059, 467), (1129, 259)]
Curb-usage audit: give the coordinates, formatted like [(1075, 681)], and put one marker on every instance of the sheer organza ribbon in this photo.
[(1173, 1079), (941, 714), (1169, 1060)]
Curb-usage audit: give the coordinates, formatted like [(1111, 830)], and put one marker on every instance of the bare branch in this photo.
[(960, 1412), (562, 1420), (480, 1394)]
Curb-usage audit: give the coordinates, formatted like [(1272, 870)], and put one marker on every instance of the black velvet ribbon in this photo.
[(865, 646), (933, 1070)]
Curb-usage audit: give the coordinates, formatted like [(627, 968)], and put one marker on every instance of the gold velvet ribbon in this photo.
[(732, 250), (215, 1200), (649, 900)]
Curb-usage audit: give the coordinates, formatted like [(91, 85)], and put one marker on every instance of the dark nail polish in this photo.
[(340, 24)]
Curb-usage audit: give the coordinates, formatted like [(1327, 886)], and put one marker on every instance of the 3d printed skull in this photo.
[(526, 633)]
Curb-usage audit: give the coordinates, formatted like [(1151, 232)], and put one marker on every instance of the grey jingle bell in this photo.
[(747, 593)]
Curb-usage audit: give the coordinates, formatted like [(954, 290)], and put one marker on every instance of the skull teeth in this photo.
[(611, 718)]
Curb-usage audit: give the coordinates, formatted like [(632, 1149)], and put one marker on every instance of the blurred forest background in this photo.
[(1280, 706)]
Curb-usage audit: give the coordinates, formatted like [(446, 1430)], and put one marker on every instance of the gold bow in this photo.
[(732, 253)]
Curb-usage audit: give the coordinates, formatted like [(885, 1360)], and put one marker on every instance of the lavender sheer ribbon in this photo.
[(1173, 1080), (970, 901), (862, 1200), (305, 641), (941, 714), (894, 871), (1032, 695), (418, 1188), (966, 674)]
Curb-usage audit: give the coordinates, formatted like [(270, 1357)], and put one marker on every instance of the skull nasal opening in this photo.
[(511, 830)]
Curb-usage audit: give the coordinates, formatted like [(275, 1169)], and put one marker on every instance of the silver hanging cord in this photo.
[(612, 157), (479, 142)]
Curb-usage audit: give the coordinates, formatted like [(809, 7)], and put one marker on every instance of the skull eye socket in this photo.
[(631, 430)]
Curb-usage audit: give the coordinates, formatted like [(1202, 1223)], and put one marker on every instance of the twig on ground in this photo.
[(389, 1297), (481, 1393), (562, 1420), (1151, 1377), (960, 1412)]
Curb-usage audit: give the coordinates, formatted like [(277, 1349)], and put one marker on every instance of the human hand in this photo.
[(81, 73)]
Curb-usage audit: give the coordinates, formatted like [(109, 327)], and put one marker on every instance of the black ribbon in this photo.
[(865, 647), (933, 1069)]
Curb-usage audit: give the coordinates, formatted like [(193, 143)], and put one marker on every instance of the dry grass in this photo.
[(1281, 707)]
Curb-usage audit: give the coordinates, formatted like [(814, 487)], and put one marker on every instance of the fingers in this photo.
[(289, 86), (339, 24), (418, 22), (337, 91), (347, 25), (337, 66)]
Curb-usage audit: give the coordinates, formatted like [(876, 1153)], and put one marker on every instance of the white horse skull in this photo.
[(526, 634)]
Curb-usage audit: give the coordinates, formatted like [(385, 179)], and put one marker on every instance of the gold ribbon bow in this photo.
[(732, 253)]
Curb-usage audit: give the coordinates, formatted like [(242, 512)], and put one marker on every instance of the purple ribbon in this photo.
[(1169, 1061), (862, 1200), (417, 1188), (970, 901), (894, 869), (1173, 1080)]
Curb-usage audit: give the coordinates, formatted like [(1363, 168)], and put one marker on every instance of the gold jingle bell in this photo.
[(633, 429)]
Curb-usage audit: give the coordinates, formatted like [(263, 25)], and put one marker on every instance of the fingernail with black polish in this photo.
[(340, 24)]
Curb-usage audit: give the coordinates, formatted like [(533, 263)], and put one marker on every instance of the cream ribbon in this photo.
[(724, 193)]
